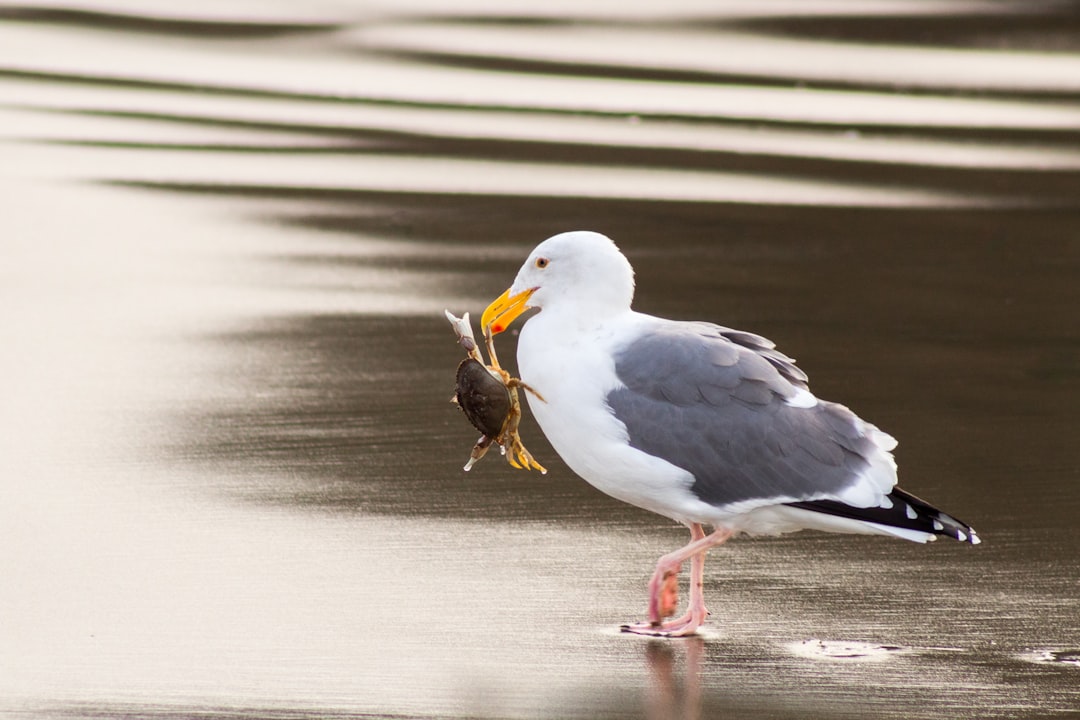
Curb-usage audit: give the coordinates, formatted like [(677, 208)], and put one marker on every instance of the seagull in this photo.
[(706, 425)]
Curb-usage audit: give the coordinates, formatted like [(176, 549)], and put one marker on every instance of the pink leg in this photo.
[(665, 608), (696, 611), (667, 570)]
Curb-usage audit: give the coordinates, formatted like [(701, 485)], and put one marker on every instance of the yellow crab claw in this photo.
[(525, 458)]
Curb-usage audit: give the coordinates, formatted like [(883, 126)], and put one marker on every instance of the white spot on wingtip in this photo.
[(886, 502), (961, 536), (910, 512), (938, 525)]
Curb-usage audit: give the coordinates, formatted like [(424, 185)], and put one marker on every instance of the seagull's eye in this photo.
[(542, 262)]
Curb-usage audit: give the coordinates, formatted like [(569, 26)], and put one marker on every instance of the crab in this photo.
[(488, 395)]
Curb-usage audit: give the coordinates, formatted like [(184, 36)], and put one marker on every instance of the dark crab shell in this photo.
[(484, 398)]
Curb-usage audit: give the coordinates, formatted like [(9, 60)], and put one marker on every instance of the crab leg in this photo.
[(489, 340), (513, 448), (479, 450), (518, 382), (525, 457)]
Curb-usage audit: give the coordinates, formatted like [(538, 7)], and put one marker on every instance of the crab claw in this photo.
[(526, 459), (463, 329), (479, 450)]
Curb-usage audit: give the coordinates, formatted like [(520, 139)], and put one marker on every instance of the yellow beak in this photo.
[(502, 312)]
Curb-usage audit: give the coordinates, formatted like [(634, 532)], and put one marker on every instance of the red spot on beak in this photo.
[(497, 329)]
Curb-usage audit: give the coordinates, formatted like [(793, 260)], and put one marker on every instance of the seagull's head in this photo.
[(581, 271)]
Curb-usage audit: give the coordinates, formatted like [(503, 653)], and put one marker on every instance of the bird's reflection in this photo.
[(669, 696)]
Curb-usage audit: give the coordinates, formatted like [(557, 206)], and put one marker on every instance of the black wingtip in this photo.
[(907, 512), (941, 523)]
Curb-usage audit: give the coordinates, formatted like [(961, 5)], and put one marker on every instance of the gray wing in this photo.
[(713, 401)]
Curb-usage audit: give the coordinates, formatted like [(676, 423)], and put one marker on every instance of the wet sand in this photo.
[(233, 479)]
